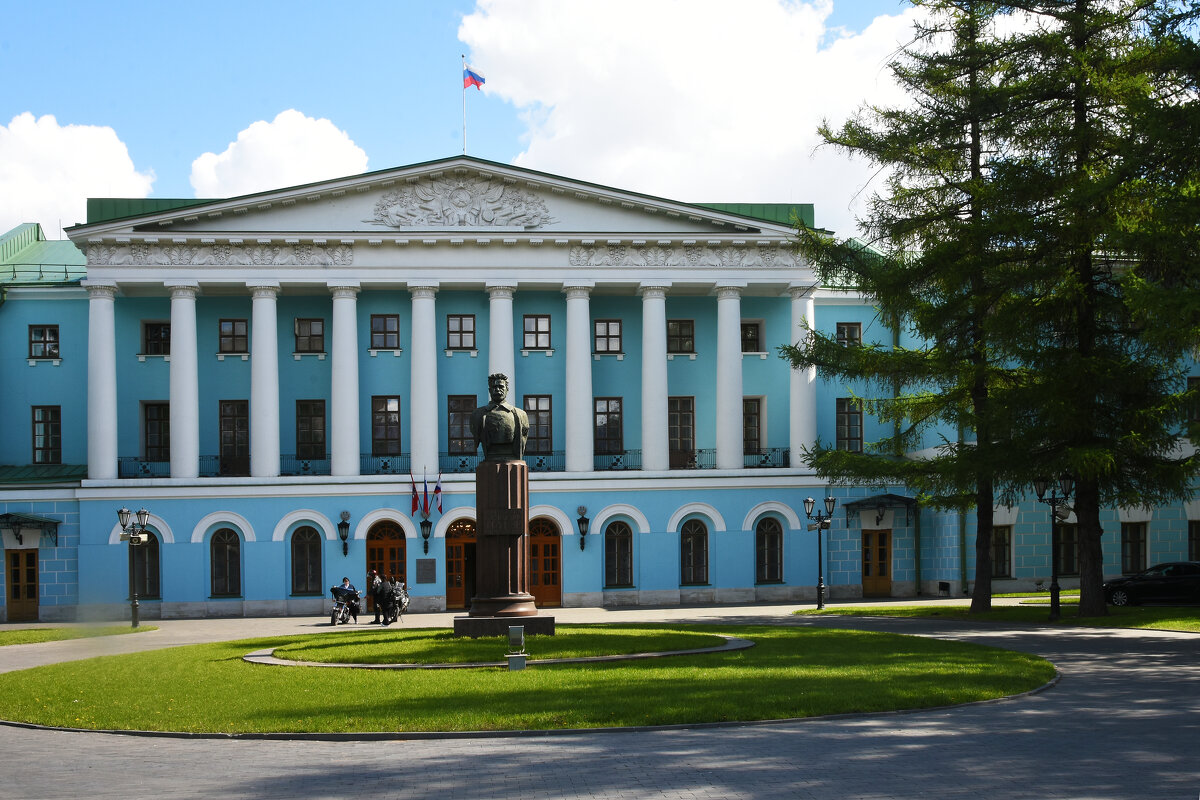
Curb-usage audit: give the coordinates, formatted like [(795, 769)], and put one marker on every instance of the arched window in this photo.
[(306, 561), (226, 558), (693, 552), (618, 555), (143, 566), (768, 551)]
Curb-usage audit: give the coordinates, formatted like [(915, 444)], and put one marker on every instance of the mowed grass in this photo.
[(1160, 617), (790, 672), (36, 635)]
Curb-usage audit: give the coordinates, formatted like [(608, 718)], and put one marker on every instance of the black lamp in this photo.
[(582, 522), (344, 532), (823, 522), (1058, 499), (426, 530)]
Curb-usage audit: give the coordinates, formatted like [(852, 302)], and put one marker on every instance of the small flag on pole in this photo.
[(425, 505), (416, 501), (437, 492), (472, 78)]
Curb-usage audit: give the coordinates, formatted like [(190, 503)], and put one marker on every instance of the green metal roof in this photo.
[(104, 209), (771, 212), (42, 473), (28, 257)]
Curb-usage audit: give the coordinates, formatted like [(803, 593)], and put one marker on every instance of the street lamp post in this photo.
[(1057, 499), (135, 533), (822, 523)]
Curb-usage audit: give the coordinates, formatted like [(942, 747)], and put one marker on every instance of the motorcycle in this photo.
[(345, 605), (396, 605)]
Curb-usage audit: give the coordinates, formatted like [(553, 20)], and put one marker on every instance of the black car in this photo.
[(1174, 582)]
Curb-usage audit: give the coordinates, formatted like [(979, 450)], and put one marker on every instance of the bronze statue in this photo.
[(500, 428)]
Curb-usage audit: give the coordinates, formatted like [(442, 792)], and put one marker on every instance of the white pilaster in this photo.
[(500, 337), (802, 432), (579, 429), (423, 395), (184, 381), (729, 377), (102, 381), (264, 381), (655, 442), (344, 408)]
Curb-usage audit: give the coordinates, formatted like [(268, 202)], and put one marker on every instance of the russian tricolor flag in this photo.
[(472, 78)]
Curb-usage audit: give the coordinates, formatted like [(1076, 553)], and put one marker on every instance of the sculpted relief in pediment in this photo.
[(461, 201)]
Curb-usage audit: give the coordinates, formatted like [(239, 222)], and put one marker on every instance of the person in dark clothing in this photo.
[(373, 582), (386, 601)]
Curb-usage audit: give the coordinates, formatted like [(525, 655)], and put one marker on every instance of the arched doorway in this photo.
[(460, 563), (386, 552), (545, 563)]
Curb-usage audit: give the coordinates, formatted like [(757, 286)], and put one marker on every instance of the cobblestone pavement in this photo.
[(1123, 722)]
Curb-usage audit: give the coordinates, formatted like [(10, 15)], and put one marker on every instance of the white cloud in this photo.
[(697, 100), (47, 171), (292, 149)]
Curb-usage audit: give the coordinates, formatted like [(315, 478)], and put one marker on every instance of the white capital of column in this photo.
[(102, 381), (423, 394), (655, 442), (264, 382), (729, 378), (184, 382), (501, 357), (344, 408), (802, 433), (579, 432)]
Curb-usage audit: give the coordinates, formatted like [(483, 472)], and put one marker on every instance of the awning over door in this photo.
[(22, 525), (879, 504)]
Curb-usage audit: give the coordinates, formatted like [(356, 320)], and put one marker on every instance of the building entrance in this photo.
[(545, 563), (22, 574), (387, 553), (460, 563), (876, 563)]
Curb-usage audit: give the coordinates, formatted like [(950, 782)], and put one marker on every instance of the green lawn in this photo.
[(1161, 617), (35, 635), (790, 672)]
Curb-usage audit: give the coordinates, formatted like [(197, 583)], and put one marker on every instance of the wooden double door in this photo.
[(877, 563), (21, 572), (545, 563), (386, 553)]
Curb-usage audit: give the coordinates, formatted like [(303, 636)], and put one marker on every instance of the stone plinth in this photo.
[(476, 627), (501, 545)]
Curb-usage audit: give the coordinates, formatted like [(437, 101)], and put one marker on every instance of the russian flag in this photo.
[(437, 492), (416, 500), (472, 78)]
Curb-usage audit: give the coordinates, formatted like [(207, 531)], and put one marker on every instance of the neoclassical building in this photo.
[(270, 375)]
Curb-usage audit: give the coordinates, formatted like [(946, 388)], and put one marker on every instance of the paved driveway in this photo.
[(1123, 722)]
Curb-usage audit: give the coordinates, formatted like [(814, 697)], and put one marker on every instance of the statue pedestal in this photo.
[(475, 627)]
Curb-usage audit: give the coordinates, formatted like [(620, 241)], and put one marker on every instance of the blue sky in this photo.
[(698, 100)]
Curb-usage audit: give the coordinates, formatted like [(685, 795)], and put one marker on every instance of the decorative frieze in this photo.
[(143, 254), (461, 200), (688, 255)]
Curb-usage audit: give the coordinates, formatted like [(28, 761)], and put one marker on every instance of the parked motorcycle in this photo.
[(345, 605), (395, 606)]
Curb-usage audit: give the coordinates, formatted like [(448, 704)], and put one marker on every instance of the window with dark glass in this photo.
[(310, 335), (43, 341), (1133, 547), (768, 551), (607, 338), (1068, 549), (608, 435), (156, 433), (143, 566), (310, 429), (618, 555), (459, 408), (681, 336), (541, 437), (1001, 551), (751, 425), (306, 561), (156, 338), (752, 337), (385, 425), (232, 336), (225, 554), (849, 425), (849, 333), (47, 434), (460, 331), (234, 432), (681, 432), (693, 552), (537, 332), (385, 332)]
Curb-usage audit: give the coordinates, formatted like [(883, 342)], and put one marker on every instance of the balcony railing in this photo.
[(135, 467), (452, 463), (399, 464), (555, 461), (626, 459), (767, 457), (293, 465)]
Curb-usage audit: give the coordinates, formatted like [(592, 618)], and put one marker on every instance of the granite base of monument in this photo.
[(476, 627)]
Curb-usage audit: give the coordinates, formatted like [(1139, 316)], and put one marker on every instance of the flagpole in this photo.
[(464, 90)]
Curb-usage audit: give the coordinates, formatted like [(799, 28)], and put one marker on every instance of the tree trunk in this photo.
[(1091, 557)]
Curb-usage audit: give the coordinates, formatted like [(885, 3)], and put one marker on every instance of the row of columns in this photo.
[(344, 427)]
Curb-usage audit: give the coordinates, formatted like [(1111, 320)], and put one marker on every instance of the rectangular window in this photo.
[(537, 332), (460, 332), (1193, 540), (541, 438), (1068, 549), (752, 337), (849, 334), (607, 337), (47, 434), (385, 332), (156, 338), (310, 429), (1133, 547), (1001, 551), (849, 425), (234, 430), (156, 419), (751, 425), (681, 336), (459, 408), (608, 438), (232, 337), (310, 335), (681, 432), (43, 341), (385, 425)]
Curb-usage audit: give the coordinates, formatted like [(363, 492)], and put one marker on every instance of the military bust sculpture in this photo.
[(499, 427)]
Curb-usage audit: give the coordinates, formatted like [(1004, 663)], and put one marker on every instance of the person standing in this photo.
[(373, 583)]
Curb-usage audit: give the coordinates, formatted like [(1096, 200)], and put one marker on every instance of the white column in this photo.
[(729, 376), (500, 337), (344, 408), (579, 429), (803, 388), (102, 382), (184, 381), (423, 394), (655, 444), (264, 382)]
